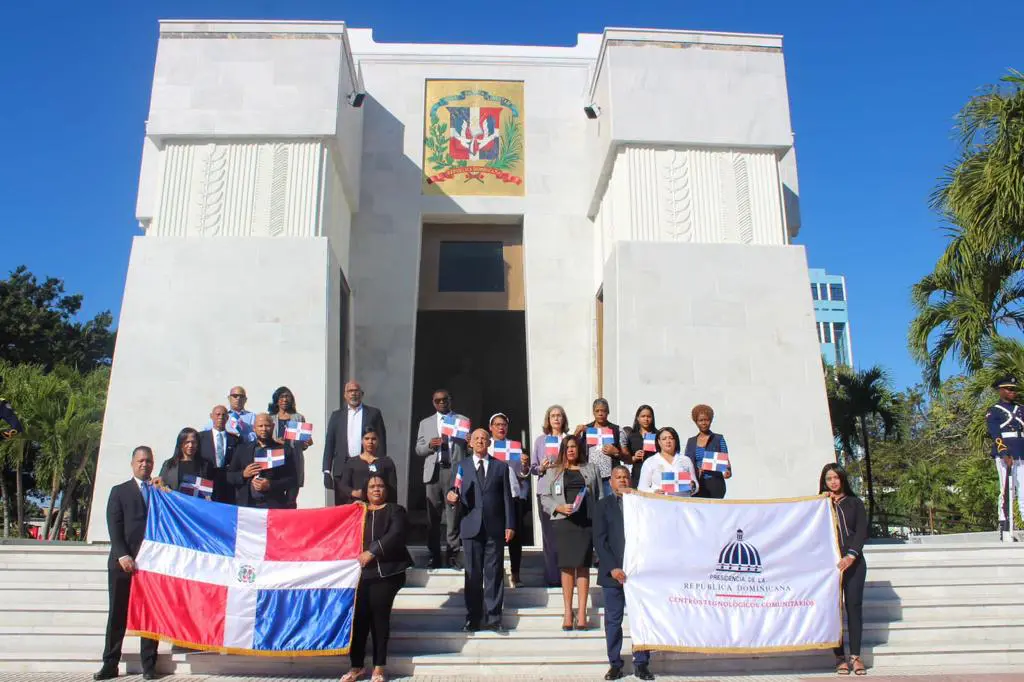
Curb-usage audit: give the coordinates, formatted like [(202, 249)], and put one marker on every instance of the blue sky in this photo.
[(873, 88)]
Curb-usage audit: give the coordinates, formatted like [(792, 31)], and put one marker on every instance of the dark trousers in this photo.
[(484, 587), (437, 510), (853, 597), (614, 607), (373, 617), (712, 487), (515, 548), (119, 585)]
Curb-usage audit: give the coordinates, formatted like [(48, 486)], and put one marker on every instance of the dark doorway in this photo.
[(479, 356)]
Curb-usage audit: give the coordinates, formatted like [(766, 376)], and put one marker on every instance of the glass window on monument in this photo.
[(835, 292), (471, 267), (814, 290)]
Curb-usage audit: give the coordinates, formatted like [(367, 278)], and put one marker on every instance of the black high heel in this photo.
[(571, 626)]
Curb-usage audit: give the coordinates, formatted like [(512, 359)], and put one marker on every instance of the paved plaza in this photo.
[(939, 674)]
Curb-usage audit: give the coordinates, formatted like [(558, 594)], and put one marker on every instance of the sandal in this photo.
[(858, 666), (352, 675), (377, 677), (842, 667)]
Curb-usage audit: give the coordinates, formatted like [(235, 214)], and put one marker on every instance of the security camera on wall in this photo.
[(592, 111), (356, 99)]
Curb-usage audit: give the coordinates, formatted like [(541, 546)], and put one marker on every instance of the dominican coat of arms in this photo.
[(473, 138)]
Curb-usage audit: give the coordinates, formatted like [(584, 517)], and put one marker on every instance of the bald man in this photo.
[(345, 431), (263, 488)]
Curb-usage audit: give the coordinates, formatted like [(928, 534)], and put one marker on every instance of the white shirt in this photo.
[(653, 467), (220, 447), (355, 430), (476, 462), (138, 482)]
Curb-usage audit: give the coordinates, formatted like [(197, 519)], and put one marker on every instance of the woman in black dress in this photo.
[(853, 532), (185, 464), (571, 477), (384, 559), (643, 424), (712, 483), (348, 486)]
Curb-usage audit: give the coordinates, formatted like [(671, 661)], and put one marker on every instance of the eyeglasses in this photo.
[(442, 400)]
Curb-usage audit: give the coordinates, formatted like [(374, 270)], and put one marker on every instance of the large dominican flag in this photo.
[(217, 577)]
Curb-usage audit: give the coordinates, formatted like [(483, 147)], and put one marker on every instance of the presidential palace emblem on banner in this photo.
[(473, 138)]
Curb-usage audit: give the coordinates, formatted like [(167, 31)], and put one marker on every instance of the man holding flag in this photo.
[(263, 471), (126, 523)]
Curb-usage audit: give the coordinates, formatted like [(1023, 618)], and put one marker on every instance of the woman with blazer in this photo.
[(853, 532), (668, 458), (185, 462), (349, 485), (643, 424), (282, 410), (385, 558), (555, 426), (572, 478), (607, 455), (712, 483)]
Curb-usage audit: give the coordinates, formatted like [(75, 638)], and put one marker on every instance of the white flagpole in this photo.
[(1009, 484)]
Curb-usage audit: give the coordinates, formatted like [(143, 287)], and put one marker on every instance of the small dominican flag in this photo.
[(300, 431), (249, 581), (196, 487), (600, 435), (578, 502), (551, 446), (269, 459), (507, 450), (650, 442), (458, 479), (676, 482), (455, 426), (715, 461)]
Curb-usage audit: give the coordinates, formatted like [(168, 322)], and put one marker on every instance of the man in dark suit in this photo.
[(442, 455), (217, 446), (258, 487), (488, 523), (610, 543), (345, 431), (126, 524)]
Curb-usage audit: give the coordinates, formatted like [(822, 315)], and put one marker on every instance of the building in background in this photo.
[(832, 317)]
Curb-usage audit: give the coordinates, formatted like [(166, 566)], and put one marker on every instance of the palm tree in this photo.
[(969, 297), (924, 489), (859, 396), (984, 190)]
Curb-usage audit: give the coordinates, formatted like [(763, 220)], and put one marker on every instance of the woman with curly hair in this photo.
[(712, 483)]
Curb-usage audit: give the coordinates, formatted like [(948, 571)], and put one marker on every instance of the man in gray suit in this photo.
[(442, 455)]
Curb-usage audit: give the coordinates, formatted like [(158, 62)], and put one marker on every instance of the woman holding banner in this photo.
[(185, 466), (545, 455), (712, 482), (641, 443), (853, 532), (569, 492), (349, 485), (667, 460), (384, 559)]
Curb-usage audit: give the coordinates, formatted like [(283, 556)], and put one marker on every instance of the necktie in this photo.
[(220, 449), (480, 473)]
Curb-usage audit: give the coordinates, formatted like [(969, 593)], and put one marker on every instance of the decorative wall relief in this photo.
[(474, 138), (211, 189), (678, 196)]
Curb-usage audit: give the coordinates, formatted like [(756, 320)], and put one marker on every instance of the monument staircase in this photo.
[(957, 606)]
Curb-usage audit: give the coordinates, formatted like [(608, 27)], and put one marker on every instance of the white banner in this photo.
[(716, 576)]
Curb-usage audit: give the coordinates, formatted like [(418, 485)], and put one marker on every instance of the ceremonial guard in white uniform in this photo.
[(1005, 422)]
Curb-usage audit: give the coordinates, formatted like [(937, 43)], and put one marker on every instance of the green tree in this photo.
[(962, 306), (862, 397), (925, 489), (983, 191), (37, 325)]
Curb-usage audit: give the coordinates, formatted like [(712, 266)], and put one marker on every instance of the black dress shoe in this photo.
[(105, 674), (642, 672), (150, 675), (435, 562), (470, 626), (613, 673)]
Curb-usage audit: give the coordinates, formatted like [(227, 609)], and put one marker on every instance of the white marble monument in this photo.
[(283, 229)]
